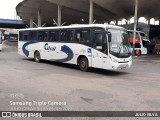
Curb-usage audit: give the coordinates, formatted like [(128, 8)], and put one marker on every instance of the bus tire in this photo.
[(83, 64), (37, 56)]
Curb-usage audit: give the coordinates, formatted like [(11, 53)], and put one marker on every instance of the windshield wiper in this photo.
[(120, 48)]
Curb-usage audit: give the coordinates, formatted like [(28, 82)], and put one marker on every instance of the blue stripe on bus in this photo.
[(26, 52), (69, 53), (64, 49)]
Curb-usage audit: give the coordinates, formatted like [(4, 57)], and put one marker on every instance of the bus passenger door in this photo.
[(97, 55)]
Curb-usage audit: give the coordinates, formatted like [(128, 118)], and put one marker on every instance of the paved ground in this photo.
[(22, 79)]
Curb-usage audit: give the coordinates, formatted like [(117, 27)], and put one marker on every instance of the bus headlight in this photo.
[(130, 59), (113, 60)]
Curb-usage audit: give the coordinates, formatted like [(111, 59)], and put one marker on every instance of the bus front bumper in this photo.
[(121, 66)]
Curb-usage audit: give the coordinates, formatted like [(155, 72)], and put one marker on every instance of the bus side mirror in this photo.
[(109, 37)]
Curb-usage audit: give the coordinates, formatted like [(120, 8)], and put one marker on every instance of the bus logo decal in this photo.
[(89, 50), (67, 51), (47, 47), (26, 52)]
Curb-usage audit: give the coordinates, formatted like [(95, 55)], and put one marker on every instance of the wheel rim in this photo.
[(83, 64), (37, 56)]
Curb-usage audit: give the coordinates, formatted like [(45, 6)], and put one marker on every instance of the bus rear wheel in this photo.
[(37, 56), (83, 64)]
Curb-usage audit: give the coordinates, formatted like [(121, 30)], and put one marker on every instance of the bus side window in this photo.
[(78, 37), (33, 36), (43, 36), (98, 41), (63, 35), (53, 36), (83, 36), (40, 36), (70, 35), (26, 35), (67, 35)]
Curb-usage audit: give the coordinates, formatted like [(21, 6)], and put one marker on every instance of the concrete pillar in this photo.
[(39, 18), (31, 22), (91, 12), (116, 22), (135, 26), (149, 21), (128, 22), (59, 19)]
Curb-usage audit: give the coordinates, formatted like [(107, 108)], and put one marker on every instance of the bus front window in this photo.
[(119, 45)]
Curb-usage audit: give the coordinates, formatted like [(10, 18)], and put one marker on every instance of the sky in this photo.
[(7, 8)]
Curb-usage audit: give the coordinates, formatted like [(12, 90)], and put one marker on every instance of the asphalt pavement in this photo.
[(23, 80)]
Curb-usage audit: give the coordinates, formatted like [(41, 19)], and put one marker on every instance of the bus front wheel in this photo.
[(37, 56), (83, 64)]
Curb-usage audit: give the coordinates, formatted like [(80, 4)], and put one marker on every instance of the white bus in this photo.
[(98, 45), (0, 41), (141, 44)]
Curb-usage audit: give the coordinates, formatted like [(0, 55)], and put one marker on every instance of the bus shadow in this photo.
[(58, 64), (75, 67), (107, 72)]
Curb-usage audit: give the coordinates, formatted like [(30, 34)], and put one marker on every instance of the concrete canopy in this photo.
[(73, 11)]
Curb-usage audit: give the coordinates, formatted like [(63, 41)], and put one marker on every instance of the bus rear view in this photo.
[(141, 44)]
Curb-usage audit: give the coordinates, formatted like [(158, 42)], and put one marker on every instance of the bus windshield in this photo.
[(119, 45)]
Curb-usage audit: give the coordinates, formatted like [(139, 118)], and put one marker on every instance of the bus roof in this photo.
[(136, 31), (75, 26)]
